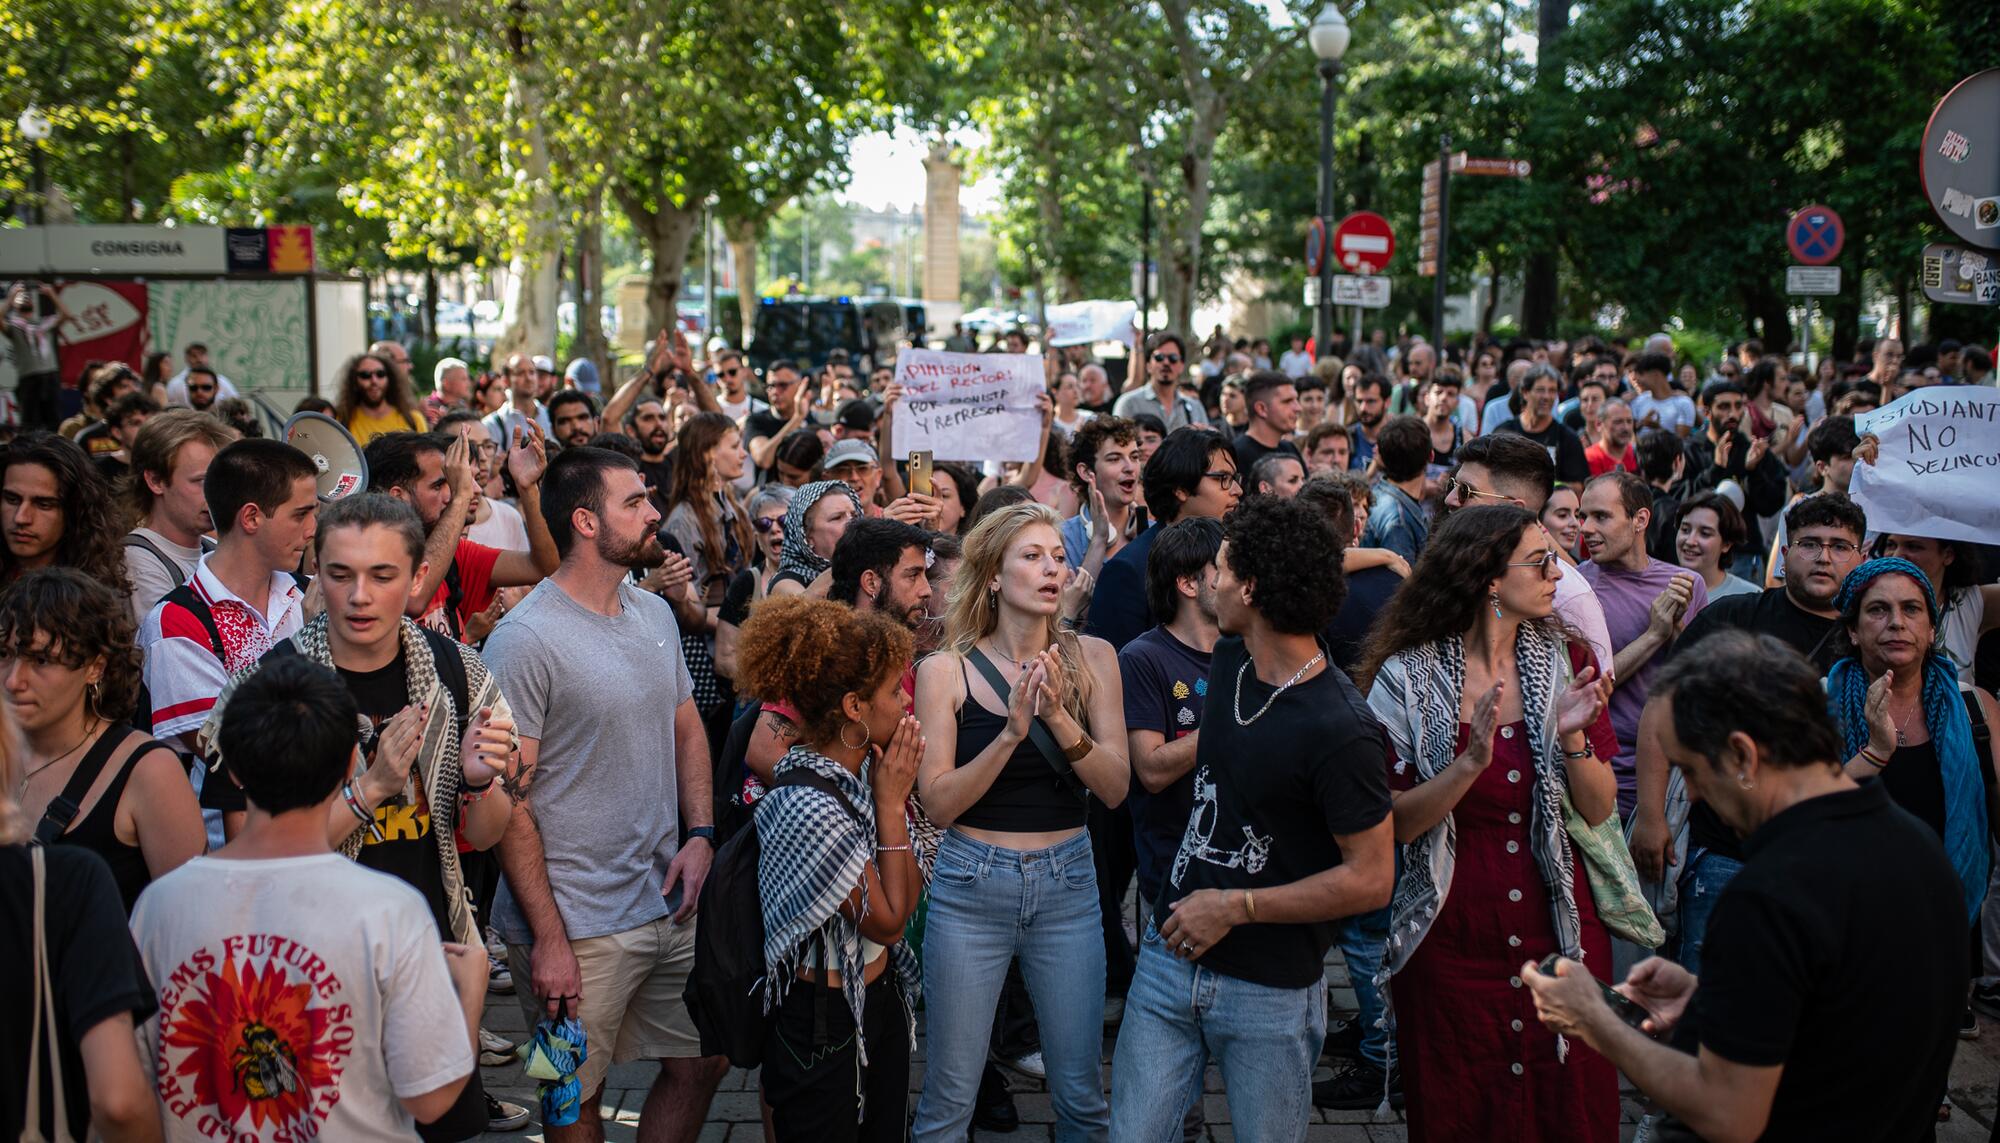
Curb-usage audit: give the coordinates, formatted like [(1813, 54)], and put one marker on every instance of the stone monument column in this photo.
[(942, 177)]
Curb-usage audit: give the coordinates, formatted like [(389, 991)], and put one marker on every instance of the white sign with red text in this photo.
[(969, 406)]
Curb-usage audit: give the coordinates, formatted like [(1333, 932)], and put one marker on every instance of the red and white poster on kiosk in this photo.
[(107, 323)]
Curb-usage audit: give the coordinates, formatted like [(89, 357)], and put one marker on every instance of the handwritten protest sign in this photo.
[(969, 406), (1938, 469), (1081, 323)]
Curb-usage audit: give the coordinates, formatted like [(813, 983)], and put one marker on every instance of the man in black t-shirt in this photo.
[(1289, 832), (1824, 535), (370, 549), (1272, 400), (1841, 940)]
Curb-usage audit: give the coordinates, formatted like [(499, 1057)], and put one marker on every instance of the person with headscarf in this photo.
[(1906, 722), (813, 525)]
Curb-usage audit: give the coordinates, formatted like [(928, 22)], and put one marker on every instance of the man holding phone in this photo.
[(1801, 976)]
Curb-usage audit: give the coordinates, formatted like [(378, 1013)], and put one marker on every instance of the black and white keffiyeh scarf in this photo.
[(814, 854), (797, 555), (1416, 698)]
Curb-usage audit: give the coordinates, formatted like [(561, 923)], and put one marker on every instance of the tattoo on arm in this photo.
[(516, 784)]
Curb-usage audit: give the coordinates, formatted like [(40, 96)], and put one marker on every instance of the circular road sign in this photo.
[(1815, 235), (1961, 160), (1363, 243)]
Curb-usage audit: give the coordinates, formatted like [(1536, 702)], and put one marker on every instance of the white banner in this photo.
[(1937, 472), (969, 406), (1083, 323)]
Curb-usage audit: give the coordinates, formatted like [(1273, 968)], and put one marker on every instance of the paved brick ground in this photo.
[(734, 1115)]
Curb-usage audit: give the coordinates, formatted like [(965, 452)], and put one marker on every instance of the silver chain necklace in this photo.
[(1288, 684)]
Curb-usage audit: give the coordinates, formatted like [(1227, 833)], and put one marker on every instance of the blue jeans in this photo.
[(1708, 873), (1363, 940), (990, 905), (1265, 1041)]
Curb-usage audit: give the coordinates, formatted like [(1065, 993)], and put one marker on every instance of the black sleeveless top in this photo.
[(1027, 796), (97, 831)]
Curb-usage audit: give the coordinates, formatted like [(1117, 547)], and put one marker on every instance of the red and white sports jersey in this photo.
[(182, 672)]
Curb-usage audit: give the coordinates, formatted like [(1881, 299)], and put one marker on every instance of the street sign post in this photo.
[(1312, 292), (1370, 293), (1316, 246), (1957, 276), (1812, 281), (1815, 235), (1464, 164), (1363, 243), (1961, 160)]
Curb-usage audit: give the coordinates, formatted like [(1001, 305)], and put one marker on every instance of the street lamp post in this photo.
[(1328, 35), (35, 129)]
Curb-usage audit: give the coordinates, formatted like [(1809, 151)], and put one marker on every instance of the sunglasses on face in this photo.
[(1548, 562), (1454, 484), (766, 524), (370, 374), (1166, 359), (727, 372)]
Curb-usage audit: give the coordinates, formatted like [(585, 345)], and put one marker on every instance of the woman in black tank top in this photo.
[(70, 670), (1025, 722)]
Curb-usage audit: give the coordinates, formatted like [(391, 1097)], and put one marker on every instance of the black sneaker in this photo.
[(994, 1110), (1343, 1039), (1968, 1025), (1358, 1087)]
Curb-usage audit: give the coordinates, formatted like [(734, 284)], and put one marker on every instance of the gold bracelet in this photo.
[(1081, 750), (1250, 905)]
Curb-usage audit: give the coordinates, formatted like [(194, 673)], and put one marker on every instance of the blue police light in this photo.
[(844, 300), (770, 301)]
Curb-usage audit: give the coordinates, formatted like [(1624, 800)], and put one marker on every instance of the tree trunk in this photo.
[(590, 340), (1539, 294), (742, 237), (430, 311), (1183, 261), (666, 231), (1492, 303), (1768, 318), (528, 316)]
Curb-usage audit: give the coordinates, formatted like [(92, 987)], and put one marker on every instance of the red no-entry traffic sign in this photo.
[(1363, 243), (1815, 235)]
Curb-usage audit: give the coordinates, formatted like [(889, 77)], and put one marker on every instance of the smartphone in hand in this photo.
[(920, 471), (1628, 1009)]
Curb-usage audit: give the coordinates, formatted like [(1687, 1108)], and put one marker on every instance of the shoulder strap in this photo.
[(43, 1016), (800, 776), (1037, 733), (448, 656), (61, 812), (135, 540), (454, 598), (186, 596)]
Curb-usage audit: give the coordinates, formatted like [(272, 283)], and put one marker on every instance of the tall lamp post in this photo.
[(35, 129), (1328, 34)]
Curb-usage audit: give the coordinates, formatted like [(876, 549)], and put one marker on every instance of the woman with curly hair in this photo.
[(1497, 721), (58, 512), (71, 673), (373, 399), (1025, 716), (837, 876)]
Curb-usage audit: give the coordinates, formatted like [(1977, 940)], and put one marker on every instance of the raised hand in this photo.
[(1485, 719), (1076, 594), (529, 457), (895, 771), (1875, 709), (395, 752), (489, 750), (1668, 606), (1023, 704), (459, 469), (1580, 704)]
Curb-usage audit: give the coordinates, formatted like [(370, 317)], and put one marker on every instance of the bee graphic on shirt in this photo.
[(264, 1063)]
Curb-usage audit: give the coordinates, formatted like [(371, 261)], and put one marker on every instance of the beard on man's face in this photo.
[(644, 552)]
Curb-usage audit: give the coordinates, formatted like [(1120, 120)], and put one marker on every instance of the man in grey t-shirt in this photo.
[(598, 908)]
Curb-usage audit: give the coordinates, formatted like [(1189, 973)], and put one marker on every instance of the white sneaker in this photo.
[(1030, 1065), (495, 1051)]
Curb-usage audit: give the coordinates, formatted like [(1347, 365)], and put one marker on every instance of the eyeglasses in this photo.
[(1166, 359), (728, 372), (370, 374), (765, 524), (1454, 484), (1834, 548), (1548, 562), (1225, 477)]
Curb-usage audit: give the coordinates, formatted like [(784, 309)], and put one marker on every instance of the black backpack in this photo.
[(725, 991), (184, 595), (726, 784)]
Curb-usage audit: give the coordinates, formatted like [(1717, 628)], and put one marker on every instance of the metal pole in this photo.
[(1145, 264), (1440, 287), (707, 278), (1323, 323), (1807, 341)]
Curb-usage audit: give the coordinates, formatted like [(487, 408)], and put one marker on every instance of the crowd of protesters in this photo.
[(1513, 670)]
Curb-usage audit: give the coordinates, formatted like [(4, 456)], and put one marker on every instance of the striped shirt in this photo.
[(182, 672)]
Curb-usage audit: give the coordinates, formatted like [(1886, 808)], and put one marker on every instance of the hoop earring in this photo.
[(1744, 780), (865, 736), (1495, 597), (90, 692)]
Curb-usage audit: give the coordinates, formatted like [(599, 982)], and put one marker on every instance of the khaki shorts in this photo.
[(632, 1007)]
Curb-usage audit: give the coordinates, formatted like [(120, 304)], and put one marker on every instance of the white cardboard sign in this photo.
[(1084, 323), (969, 406), (1934, 474)]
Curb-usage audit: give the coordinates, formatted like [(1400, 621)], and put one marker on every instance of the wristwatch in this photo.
[(705, 833)]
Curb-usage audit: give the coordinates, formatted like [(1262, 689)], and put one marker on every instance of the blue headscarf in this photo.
[(1944, 713)]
